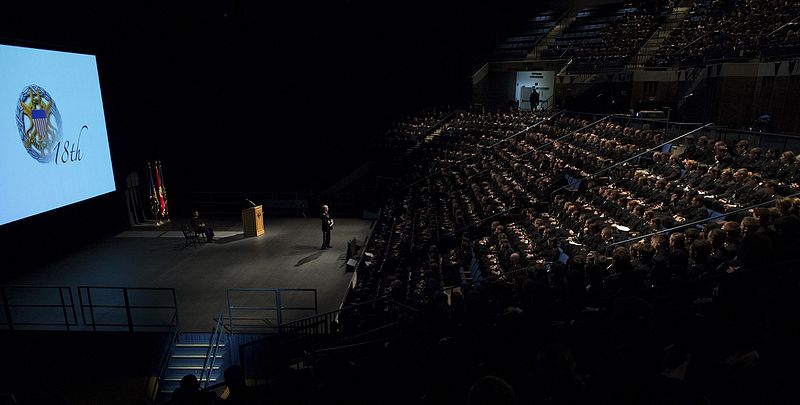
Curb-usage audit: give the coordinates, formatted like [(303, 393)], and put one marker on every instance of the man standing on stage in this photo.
[(327, 225)]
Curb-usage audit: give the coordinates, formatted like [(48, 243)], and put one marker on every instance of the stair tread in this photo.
[(192, 362), (190, 367), (196, 350), (196, 345), (177, 374)]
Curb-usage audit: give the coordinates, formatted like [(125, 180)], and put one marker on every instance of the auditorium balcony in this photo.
[(524, 40), (728, 31)]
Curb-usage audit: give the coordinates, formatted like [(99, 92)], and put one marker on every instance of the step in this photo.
[(190, 362), (190, 368), (194, 351), (194, 356), (197, 345), (177, 380)]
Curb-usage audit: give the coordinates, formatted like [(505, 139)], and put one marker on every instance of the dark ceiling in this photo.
[(232, 87)]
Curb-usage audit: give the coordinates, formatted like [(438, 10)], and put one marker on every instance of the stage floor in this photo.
[(287, 255)]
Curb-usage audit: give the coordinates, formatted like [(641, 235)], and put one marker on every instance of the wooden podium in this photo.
[(253, 221)]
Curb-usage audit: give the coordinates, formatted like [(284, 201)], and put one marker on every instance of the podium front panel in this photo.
[(253, 221)]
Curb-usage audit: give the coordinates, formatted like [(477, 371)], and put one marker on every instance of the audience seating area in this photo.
[(535, 29), (605, 37), (407, 133), (577, 284), (728, 30)]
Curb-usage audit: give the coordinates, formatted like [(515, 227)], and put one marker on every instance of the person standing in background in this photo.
[(327, 225), (534, 98)]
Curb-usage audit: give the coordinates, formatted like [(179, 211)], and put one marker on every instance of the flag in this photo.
[(153, 192), (161, 204), (40, 122), (163, 187)]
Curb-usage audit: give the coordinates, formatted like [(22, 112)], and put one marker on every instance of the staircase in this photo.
[(651, 46), (426, 138), (433, 135), (689, 92), (551, 36), (201, 354), (410, 151), (579, 83)]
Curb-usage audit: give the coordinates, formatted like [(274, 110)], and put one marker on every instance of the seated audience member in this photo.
[(557, 380), (749, 226), (491, 390), (698, 211), (189, 393), (679, 274), (238, 391), (690, 151)]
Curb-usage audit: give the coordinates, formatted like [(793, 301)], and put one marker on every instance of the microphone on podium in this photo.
[(250, 202)]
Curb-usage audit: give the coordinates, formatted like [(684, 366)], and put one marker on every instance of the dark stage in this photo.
[(287, 255)]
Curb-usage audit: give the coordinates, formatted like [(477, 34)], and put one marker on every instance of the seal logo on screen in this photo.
[(39, 125)]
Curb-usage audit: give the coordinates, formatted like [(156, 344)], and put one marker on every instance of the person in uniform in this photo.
[(690, 151), (534, 98), (698, 211), (200, 227), (327, 225)]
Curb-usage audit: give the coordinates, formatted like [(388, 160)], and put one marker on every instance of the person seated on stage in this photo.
[(200, 226)]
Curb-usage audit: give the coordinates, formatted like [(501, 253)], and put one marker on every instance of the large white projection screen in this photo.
[(53, 138)]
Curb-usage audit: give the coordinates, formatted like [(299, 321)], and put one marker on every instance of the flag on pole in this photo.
[(161, 204), (153, 192), (163, 187)]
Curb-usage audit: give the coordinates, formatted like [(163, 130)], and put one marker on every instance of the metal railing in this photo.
[(451, 288), (713, 133), (32, 307), (545, 104), (217, 336), (309, 358), (267, 317), (763, 140), (168, 349), (385, 253), (113, 308), (370, 314), (361, 258), (298, 338)]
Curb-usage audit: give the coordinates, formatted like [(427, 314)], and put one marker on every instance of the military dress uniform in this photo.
[(326, 230)]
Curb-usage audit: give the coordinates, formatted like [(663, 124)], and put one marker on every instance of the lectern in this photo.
[(253, 221)]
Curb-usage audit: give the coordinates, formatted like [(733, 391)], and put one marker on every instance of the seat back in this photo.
[(191, 236)]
